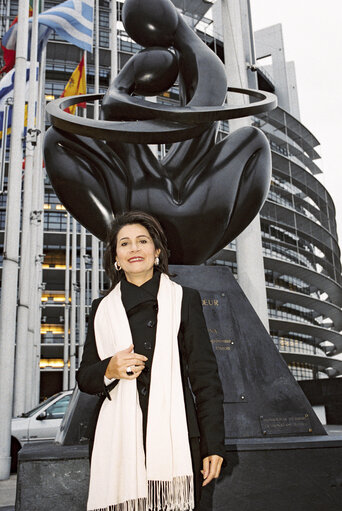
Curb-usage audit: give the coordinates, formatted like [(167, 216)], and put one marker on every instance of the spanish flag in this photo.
[(76, 85)]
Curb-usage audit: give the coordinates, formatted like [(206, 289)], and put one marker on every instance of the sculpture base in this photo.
[(297, 474), (280, 474), (52, 477)]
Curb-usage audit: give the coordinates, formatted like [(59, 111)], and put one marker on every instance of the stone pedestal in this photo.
[(284, 474), (280, 474), (52, 477)]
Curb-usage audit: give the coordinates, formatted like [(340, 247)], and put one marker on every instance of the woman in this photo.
[(148, 334)]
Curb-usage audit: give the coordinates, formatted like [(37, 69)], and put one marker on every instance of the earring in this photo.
[(117, 266), (156, 261)]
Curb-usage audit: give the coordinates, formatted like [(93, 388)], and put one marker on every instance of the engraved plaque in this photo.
[(222, 336), (282, 425)]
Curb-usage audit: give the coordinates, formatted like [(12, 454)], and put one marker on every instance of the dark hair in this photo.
[(155, 231)]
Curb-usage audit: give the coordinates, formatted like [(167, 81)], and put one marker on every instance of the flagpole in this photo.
[(73, 305), (113, 41), (96, 59), (82, 293), (67, 306), (7, 16), (4, 143), (36, 246), (11, 246), (94, 240), (24, 274), (83, 255), (38, 165)]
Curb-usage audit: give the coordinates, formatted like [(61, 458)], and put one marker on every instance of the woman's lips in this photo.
[(135, 259)]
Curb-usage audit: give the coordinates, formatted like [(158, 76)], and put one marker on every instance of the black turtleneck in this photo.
[(141, 307)]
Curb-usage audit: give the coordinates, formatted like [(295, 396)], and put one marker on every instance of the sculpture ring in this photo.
[(169, 123)]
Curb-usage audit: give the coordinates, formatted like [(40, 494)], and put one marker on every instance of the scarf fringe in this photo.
[(129, 505), (175, 495)]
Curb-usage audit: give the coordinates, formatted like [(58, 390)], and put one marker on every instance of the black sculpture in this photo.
[(219, 187)]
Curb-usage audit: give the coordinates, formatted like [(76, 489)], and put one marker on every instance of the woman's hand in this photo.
[(119, 363), (211, 468)]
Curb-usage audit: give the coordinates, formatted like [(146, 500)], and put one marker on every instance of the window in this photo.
[(58, 409)]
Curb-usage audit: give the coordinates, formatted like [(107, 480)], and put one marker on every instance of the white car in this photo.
[(39, 424)]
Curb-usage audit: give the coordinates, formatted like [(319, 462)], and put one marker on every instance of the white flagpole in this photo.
[(82, 293), (83, 255), (94, 240), (24, 275), (96, 58), (8, 307), (4, 144), (113, 40), (7, 16), (67, 306), (38, 165), (73, 305), (37, 225)]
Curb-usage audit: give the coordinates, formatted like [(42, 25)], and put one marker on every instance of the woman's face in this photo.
[(136, 253)]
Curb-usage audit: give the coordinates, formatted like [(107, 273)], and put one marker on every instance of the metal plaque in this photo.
[(283, 425)]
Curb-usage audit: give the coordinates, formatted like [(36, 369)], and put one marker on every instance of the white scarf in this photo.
[(120, 480)]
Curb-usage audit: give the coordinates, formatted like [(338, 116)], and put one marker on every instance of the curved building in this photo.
[(301, 253), (299, 236)]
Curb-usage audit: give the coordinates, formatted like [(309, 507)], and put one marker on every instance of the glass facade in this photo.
[(301, 252)]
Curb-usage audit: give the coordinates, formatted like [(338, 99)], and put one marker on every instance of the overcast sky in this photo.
[(312, 34)]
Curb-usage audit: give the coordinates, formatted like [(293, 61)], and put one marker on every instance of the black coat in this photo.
[(198, 366)]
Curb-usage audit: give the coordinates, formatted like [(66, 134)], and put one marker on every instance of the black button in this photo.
[(155, 307), (146, 369), (150, 323), (147, 345), (143, 391)]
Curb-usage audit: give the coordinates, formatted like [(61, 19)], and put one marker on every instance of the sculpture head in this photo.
[(150, 23), (155, 70)]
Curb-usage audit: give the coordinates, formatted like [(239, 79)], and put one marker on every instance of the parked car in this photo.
[(39, 424)]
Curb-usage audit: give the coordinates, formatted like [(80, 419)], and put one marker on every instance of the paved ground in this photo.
[(8, 488), (7, 493)]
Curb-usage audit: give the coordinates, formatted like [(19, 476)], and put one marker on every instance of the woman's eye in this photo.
[(143, 241), (124, 243)]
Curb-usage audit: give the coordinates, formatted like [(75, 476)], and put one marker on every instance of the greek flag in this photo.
[(73, 21)]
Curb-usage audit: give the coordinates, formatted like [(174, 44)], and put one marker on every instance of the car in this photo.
[(40, 424)]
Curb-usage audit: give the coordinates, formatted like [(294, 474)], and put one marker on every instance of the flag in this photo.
[(71, 20), (6, 97), (76, 85), (9, 51)]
